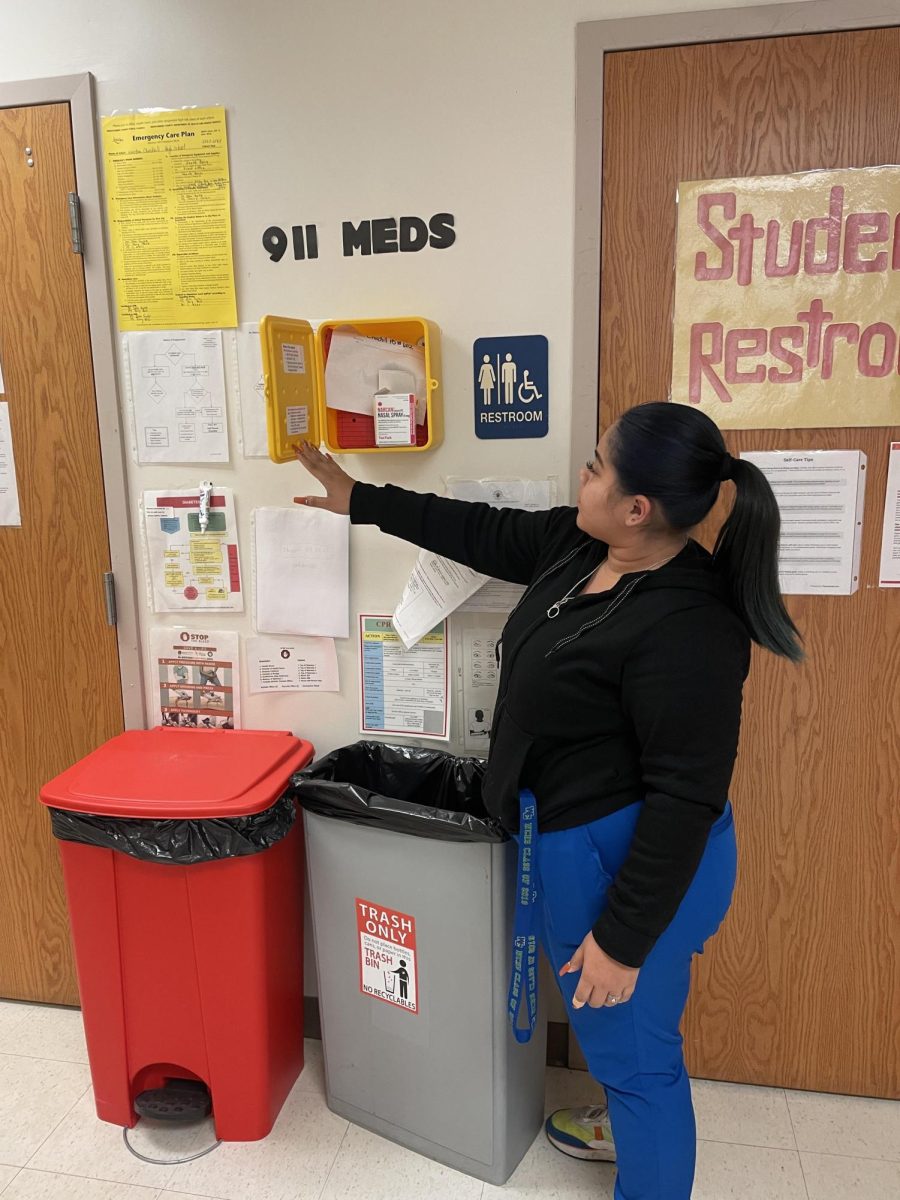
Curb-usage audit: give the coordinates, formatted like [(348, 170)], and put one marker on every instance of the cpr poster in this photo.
[(787, 299)]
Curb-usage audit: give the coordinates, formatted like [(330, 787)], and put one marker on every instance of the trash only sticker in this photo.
[(387, 955)]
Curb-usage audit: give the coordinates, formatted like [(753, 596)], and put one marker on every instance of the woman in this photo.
[(619, 707)]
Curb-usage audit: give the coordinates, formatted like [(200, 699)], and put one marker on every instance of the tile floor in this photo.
[(754, 1143)]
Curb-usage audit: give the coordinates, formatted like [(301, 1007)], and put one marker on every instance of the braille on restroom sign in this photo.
[(387, 955), (511, 386)]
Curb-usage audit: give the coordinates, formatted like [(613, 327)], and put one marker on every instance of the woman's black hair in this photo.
[(676, 455)]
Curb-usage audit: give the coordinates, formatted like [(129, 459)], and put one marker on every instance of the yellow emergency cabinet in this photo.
[(294, 368)]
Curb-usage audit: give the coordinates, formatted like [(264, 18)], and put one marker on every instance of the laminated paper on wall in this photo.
[(10, 513), (890, 537), (169, 206), (820, 494)]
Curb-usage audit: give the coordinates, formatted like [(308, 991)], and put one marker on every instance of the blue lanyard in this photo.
[(523, 984)]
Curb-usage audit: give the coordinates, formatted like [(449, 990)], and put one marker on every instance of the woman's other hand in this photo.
[(601, 976), (337, 483)]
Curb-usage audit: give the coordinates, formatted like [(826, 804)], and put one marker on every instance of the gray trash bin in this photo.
[(412, 895)]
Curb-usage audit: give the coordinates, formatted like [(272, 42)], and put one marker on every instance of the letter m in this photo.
[(357, 239)]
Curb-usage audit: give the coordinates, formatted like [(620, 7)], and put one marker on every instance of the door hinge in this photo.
[(109, 589), (75, 223)]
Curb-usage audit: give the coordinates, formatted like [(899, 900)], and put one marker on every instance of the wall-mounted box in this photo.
[(295, 362)]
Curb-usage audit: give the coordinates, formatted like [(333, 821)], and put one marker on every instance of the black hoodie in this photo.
[(627, 695)]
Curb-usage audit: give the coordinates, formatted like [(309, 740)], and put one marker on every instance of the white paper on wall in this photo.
[(176, 388), (295, 664), (480, 679), (302, 572), (251, 392), (820, 496), (10, 513), (889, 575)]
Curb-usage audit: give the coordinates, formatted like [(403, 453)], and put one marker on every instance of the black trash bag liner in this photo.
[(179, 842), (406, 789)]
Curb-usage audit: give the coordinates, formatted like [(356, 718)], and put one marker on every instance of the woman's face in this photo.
[(603, 511)]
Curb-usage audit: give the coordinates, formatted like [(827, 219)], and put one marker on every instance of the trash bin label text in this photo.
[(387, 955)]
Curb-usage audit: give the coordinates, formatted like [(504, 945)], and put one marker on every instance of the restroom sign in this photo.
[(511, 387), (387, 955)]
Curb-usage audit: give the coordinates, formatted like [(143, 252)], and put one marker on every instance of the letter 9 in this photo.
[(275, 243)]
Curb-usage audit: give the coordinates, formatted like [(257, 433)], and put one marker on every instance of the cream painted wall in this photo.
[(349, 110), (352, 110)]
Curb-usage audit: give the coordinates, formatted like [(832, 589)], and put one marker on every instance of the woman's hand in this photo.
[(601, 976), (337, 483)]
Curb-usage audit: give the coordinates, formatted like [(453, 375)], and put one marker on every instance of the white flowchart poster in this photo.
[(177, 393), (820, 496), (192, 568), (251, 392), (10, 513), (889, 575), (197, 678)]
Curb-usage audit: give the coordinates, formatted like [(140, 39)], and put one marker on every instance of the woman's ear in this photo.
[(640, 512)]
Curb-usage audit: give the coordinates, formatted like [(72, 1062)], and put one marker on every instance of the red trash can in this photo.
[(188, 972)]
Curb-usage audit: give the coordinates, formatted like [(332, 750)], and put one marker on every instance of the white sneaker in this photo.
[(582, 1133)]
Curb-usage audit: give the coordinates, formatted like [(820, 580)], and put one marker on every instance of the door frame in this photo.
[(78, 92), (593, 40)]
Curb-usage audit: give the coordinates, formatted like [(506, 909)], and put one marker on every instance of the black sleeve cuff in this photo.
[(620, 942), (365, 504)]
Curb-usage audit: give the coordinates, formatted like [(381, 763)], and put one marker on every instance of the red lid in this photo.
[(181, 774)]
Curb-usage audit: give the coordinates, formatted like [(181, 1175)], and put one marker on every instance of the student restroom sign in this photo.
[(511, 387)]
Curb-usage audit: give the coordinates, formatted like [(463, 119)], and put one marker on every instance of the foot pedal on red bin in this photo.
[(179, 1100)]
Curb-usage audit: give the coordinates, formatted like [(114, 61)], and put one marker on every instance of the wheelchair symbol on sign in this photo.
[(528, 385)]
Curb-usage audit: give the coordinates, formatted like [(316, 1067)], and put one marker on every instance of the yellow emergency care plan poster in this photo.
[(169, 200)]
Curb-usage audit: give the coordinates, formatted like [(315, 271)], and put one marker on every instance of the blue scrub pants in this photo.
[(635, 1049)]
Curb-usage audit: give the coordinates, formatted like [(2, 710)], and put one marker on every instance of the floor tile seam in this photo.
[(173, 1191), (747, 1145), (146, 1187), (849, 1154), (337, 1153), (17, 1172), (78, 1174), (65, 1115), (72, 1062)]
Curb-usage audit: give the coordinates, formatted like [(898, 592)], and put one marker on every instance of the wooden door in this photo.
[(60, 694), (800, 989)]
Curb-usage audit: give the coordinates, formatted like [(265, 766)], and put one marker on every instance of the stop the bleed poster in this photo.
[(387, 955)]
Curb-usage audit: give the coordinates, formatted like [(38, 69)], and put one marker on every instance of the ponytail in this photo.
[(676, 455), (746, 551)]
